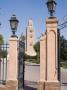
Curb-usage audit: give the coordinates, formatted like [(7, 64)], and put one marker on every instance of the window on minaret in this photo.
[(30, 44), (30, 36), (31, 31)]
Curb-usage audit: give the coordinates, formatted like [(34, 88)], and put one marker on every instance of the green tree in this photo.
[(22, 37), (37, 49), (3, 53), (63, 48), (37, 46), (1, 39)]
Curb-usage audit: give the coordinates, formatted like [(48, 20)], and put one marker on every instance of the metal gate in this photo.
[(21, 65), (3, 63)]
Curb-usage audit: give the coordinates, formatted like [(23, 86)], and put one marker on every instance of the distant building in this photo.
[(30, 39)]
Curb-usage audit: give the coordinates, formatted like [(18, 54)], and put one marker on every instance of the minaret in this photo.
[(30, 39)]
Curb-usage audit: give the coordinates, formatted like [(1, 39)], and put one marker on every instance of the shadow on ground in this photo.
[(29, 85), (29, 88)]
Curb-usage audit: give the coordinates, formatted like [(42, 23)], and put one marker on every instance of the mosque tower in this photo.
[(30, 39)]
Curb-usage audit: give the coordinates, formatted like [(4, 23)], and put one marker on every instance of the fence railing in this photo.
[(3, 63)]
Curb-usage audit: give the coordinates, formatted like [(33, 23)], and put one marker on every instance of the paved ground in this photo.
[(64, 87), (30, 88), (32, 77), (32, 72), (63, 79)]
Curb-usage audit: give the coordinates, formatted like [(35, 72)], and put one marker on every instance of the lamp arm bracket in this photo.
[(62, 26)]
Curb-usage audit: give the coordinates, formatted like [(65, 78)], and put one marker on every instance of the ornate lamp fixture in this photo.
[(51, 5), (14, 24)]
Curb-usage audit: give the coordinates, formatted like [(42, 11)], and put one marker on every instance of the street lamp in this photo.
[(51, 5), (14, 24)]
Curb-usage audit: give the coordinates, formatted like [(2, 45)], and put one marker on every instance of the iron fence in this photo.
[(21, 65), (3, 63)]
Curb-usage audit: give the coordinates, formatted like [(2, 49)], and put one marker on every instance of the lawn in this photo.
[(63, 64)]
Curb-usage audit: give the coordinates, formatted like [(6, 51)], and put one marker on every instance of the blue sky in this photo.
[(29, 9)]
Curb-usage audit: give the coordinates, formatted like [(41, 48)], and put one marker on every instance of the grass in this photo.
[(33, 60), (64, 64)]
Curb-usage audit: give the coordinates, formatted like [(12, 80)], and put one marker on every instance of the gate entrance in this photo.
[(27, 71)]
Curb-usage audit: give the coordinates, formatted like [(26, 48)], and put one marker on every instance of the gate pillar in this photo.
[(52, 82), (43, 58), (12, 75), (49, 57), (41, 84)]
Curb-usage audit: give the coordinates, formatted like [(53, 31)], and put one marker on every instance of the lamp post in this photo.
[(14, 24), (51, 5)]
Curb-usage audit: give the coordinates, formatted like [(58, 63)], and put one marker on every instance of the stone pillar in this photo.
[(52, 82), (43, 58), (49, 57), (41, 84), (13, 64)]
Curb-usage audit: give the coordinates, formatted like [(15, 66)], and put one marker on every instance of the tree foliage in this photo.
[(63, 49), (22, 38), (37, 49), (1, 39), (3, 53)]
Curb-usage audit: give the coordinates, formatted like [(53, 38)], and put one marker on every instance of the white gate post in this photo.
[(12, 74)]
